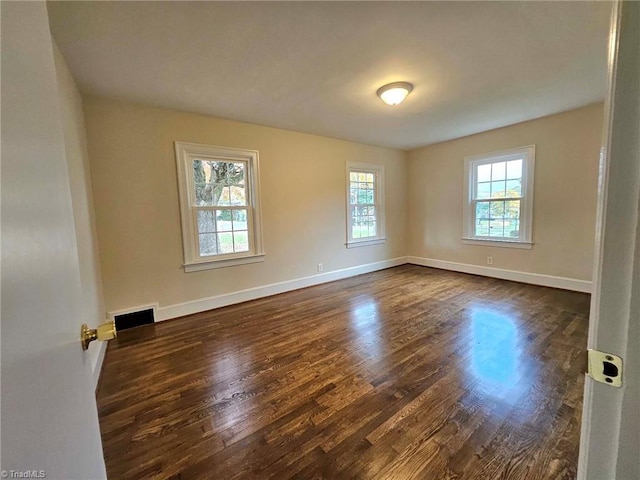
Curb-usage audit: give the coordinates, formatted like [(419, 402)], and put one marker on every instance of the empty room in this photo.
[(373, 240)]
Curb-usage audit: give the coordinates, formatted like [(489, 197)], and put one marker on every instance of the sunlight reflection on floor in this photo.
[(495, 353)]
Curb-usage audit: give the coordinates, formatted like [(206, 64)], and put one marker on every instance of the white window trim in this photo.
[(525, 241), (498, 243), (185, 152), (378, 171)]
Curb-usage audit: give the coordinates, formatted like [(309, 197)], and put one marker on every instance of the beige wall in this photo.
[(303, 200), (303, 203), (81, 198), (566, 173)]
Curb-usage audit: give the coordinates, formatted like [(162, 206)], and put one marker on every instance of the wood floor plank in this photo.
[(409, 372)]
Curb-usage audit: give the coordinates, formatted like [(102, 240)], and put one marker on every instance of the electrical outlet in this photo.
[(489, 260), (320, 267)]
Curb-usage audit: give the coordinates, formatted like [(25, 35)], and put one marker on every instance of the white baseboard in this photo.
[(209, 303), (204, 304), (516, 276), (97, 367)]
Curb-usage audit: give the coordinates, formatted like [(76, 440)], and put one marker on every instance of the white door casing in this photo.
[(610, 435)]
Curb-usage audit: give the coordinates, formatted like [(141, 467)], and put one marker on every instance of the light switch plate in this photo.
[(605, 368)]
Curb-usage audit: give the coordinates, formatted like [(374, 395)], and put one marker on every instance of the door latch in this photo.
[(605, 367)]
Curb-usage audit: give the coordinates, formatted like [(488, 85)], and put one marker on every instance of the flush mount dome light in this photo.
[(394, 93)]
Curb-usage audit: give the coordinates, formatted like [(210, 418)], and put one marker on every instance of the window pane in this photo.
[(482, 219), (512, 219), (223, 221), (208, 244), (371, 227), (238, 195), (497, 209), (498, 189), (362, 177), (365, 196), (514, 169), (482, 210), (498, 171), (370, 178), (514, 188), (484, 173), (482, 228), (360, 230), (355, 220), (198, 172), (203, 195), (496, 224), (353, 176), (239, 219), (221, 196), (483, 190), (225, 241), (235, 173), (206, 221), (211, 171), (496, 228), (241, 241), (514, 229), (356, 227), (512, 209)]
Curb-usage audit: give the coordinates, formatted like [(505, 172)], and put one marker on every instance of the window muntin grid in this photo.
[(498, 203), (220, 205), (363, 208), (497, 197)]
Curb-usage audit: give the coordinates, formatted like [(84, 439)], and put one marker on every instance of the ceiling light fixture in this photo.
[(394, 93)]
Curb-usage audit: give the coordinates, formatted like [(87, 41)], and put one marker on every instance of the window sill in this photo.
[(222, 263), (498, 243), (365, 243)]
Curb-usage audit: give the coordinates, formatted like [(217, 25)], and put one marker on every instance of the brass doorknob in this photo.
[(104, 332)]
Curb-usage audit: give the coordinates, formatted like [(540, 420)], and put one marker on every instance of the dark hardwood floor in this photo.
[(404, 373)]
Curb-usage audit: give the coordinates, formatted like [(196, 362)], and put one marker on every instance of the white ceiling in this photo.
[(315, 66)]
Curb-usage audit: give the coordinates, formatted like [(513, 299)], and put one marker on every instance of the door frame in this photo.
[(613, 270)]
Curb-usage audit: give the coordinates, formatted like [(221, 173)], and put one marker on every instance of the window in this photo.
[(499, 198), (219, 203), (365, 200)]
